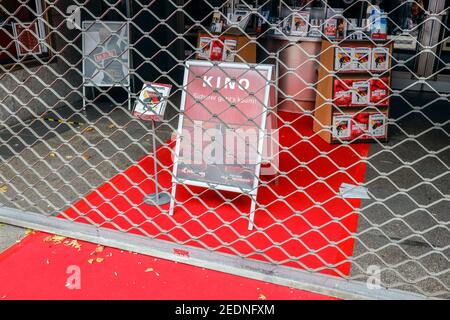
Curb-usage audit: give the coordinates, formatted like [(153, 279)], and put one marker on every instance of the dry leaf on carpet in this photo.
[(55, 239), (73, 243)]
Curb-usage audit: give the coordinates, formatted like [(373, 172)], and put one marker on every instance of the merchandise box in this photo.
[(380, 59), (341, 27), (360, 93), (362, 57), (315, 28), (205, 48), (343, 92), (229, 50), (379, 27), (216, 50), (359, 125), (343, 59), (300, 24), (330, 28), (379, 91)]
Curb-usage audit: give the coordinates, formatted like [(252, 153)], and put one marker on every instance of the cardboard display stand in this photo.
[(106, 56), (223, 118)]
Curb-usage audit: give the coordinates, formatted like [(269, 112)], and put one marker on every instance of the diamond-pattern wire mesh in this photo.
[(100, 155)]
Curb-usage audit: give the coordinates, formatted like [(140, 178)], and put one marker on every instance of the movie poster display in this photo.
[(106, 53), (220, 140)]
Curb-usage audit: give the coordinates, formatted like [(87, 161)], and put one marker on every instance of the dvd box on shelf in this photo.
[(343, 59)]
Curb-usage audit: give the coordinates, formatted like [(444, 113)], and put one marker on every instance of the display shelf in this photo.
[(326, 107)]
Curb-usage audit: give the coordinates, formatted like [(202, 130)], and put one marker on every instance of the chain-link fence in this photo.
[(304, 143)]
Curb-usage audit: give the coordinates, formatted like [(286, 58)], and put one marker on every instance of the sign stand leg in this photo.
[(172, 200), (129, 102), (157, 198), (84, 99), (252, 212)]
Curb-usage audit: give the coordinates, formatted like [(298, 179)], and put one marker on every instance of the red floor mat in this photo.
[(318, 236), (36, 269)]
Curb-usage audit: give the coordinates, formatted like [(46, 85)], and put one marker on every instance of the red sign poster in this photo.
[(27, 38), (222, 124)]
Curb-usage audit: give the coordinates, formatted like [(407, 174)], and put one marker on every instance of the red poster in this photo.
[(224, 109), (27, 38)]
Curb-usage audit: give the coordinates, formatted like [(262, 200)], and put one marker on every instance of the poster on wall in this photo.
[(152, 101), (222, 125), (106, 53), (26, 37)]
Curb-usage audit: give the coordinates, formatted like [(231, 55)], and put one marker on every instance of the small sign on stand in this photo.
[(151, 106)]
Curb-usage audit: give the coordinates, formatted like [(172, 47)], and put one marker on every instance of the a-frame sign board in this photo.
[(223, 119)]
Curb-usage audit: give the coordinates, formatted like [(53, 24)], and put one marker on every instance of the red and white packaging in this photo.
[(343, 59), (361, 125), (343, 92), (379, 91), (205, 48), (341, 127), (380, 59), (362, 58), (360, 92), (216, 50), (377, 125)]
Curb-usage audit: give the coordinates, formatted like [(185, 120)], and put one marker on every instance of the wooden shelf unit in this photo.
[(324, 107)]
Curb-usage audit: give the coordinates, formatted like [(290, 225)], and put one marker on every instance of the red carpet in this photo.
[(33, 270), (300, 191)]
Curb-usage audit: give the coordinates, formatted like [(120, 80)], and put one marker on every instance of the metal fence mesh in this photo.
[(72, 147)]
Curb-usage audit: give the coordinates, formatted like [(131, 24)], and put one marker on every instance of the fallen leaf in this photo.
[(69, 157), (99, 249), (90, 261), (88, 129), (86, 156), (149, 270), (29, 231), (52, 154), (111, 126), (73, 243), (99, 260), (55, 239), (3, 188), (262, 297)]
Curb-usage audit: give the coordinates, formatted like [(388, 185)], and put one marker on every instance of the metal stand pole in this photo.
[(157, 198)]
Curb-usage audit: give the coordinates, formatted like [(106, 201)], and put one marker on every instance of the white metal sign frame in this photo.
[(85, 26), (265, 106)]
